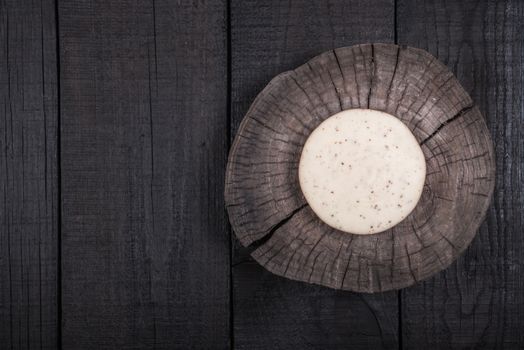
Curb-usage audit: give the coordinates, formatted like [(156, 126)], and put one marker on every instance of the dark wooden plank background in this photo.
[(145, 244), (116, 122), (29, 198)]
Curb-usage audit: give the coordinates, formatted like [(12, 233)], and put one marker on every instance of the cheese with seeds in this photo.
[(362, 171)]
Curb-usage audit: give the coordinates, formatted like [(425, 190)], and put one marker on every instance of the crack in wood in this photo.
[(313, 248), (479, 194), (341, 73), (448, 241), (450, 120), (393, 76), (409, 264), (418, 236), (347, 265), (266, 126), (335, 88), (355, 73), (312, 79), (303, 90), (372, 78), (311, 113), (324, 272), (435, 103), (261, 241), (297, 249), (313, 266), (292, 113)]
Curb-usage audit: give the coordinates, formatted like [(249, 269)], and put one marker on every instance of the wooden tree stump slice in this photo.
[(268, 210)]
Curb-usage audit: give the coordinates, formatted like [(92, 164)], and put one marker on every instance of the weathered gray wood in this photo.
[(267, 38), (264, 198), (28, 175), (144, 125), (479, 301)]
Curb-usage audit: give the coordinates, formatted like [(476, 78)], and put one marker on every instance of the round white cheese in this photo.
[(362, 171)]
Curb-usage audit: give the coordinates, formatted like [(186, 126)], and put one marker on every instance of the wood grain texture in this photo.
[(144, 125), (269, 37), (263, 195), (478, 302), (28, 175)]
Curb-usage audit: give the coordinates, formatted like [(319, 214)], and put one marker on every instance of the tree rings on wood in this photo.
[(268, 211)]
